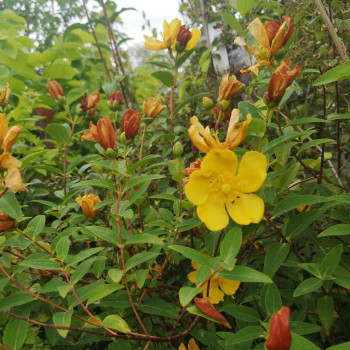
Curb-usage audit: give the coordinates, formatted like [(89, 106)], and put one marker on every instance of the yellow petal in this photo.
[(240, 42), (209, 139), (197, 189), (213, 214), (192, 277), (252, 171), (182, 346), (215, 294), (218, 161), (196, 34), (257, 29), (192, 345), (3, 127), (278, 39), (174, 29), (196, 131), (195, 265), (153, 44), (10, 137), (13, 180), (255, 67), (247, 209), (227, 286)]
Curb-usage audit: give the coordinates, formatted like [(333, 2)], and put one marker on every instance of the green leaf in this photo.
[(186, 294), (244, 6), (183, 58), (137, 180), (62, 319), (306, 120), (138, 259), (10, 206), (336, 230), (58, 132), (81, 270), (115, 274), (101, 291), (144, 238), (307, 286), (18, 298), (303, 328), (157, 306), (245, 274), (62, 248), (231, 20), (275, 255), (195, 311), (312, 268), (340, 72), (116, 322), (335, 116), (273, 301), (16, 330), (106, 234), (293, 202), (289, 176), (74, 94), (344, 346), (189, 224), (72, 260), (184, 103), (35, 226), (140, 277), (165, 77), (331, 261), (299, 342), (60, 69), (107, 184), (194, 255), (342, 277), (230, 246), (313, 143), (325, 310), (243, 335), (301, 221), (40, 261), (204, 61), (242, 313)]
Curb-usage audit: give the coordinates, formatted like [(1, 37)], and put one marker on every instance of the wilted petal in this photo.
[(257, 29)]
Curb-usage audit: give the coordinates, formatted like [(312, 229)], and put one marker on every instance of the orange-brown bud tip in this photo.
[(6, 222), (55, 89), (130, 123), (183, 38)]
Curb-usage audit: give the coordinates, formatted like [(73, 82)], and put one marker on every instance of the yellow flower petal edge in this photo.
[(220, 191), (196, 34)]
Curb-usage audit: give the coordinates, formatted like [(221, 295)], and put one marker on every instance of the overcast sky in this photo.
[(156, 11)]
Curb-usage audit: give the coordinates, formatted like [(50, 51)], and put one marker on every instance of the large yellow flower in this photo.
[(192, 345), (222, 187), (170, 32), (13, 179), (218, 286), (204, 141)]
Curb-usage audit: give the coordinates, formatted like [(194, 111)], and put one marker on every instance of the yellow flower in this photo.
[(222, 187), (186, 39), (269, 38), (170, 32), (13, 179), (151, 107), (204, 141), (218, 286), (228, 87), (192, 345), (87, 203)]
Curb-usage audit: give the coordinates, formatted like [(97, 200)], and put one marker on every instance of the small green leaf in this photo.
[(138, 259), (242, 313), (81, 270), (10, 206), (307, 286), (186, 294), (340, 72), (116, 322), (299, 342), (62, 248), (231, 20), (165, 77), (230, 246), (115, 274), (40, 261), (157, 306), (243, 335), (331, 261), (144, 238), (193, 254), (35, 226), (336, 230), (62, 319), (273, 301), (275, 255), (245, 274), (58, 132), (325, 310)]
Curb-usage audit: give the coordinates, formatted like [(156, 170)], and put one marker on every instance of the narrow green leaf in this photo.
[(242, 313), (313, 143), (273, 301), (116, 322), (307, 286), (81, 270), (340, 72), (138, 259), (299, 342), (186, 294), (165, 77), (62, 319), (331, 261), (101, 291), (336, 116), (336, 230), (243, 335), (144, 238), (183, 58), (231, 20), (137, 180), (35, 226), (40, 261), (325, 310), (193, 254), (107, 184), (18, 298), (275, 255), (10, 206), (157, 306), (230, 246), (104, 233), (58, 132), (245, 274)]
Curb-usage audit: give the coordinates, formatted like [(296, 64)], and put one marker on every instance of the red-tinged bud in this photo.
[(279, 336), (207, 308), (272, 29), (130, 123), (114, 100), (290, 22), (55, 90), (183, 38), (6, 222), (90, 102)]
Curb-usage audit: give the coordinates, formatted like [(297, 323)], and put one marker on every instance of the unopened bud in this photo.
[(111, 153), (224, 105), (55, 89), (130, 123), (114, 100), (5, 94), (6, 222), (178, 149), (207, 103)]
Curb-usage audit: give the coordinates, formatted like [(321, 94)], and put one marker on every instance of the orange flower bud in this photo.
[(90, 102), (228, 87), (279, 336), (55, 89), (151, 107), (279, 81), (207, 308), (272, 29), (116, 96), (6, 222), (130, 123), (183, 38), (5, 94), (103, 133), (87, 203)]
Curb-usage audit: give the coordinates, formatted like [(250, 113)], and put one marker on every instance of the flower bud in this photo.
[(183, 38), (130, 123), (87, 203), (207, 103), (207, 308), (5, 94), (6, 222), (90, 102), (114, 100), (55, 90), (224, 105), (178, 149), (151, 107), (279, 336), (228, 87)]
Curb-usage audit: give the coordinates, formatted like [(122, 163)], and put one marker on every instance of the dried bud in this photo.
[(196, 165), (279, 336), (228, 87), (207, 308), (5, 94), (130, 123), (272, 29), (114, 100), (102, 133), (207, 103), (151, 107), (87, 203), (90, 102), (55, 90), (6, 222), (183, 38), (178, 149)]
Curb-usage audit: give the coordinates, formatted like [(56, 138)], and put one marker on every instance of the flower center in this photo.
[(225, 186)]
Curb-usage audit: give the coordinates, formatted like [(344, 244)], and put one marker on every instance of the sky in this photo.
[(156, 11)]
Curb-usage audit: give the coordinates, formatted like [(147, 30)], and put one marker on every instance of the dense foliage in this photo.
[(196, 201)]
